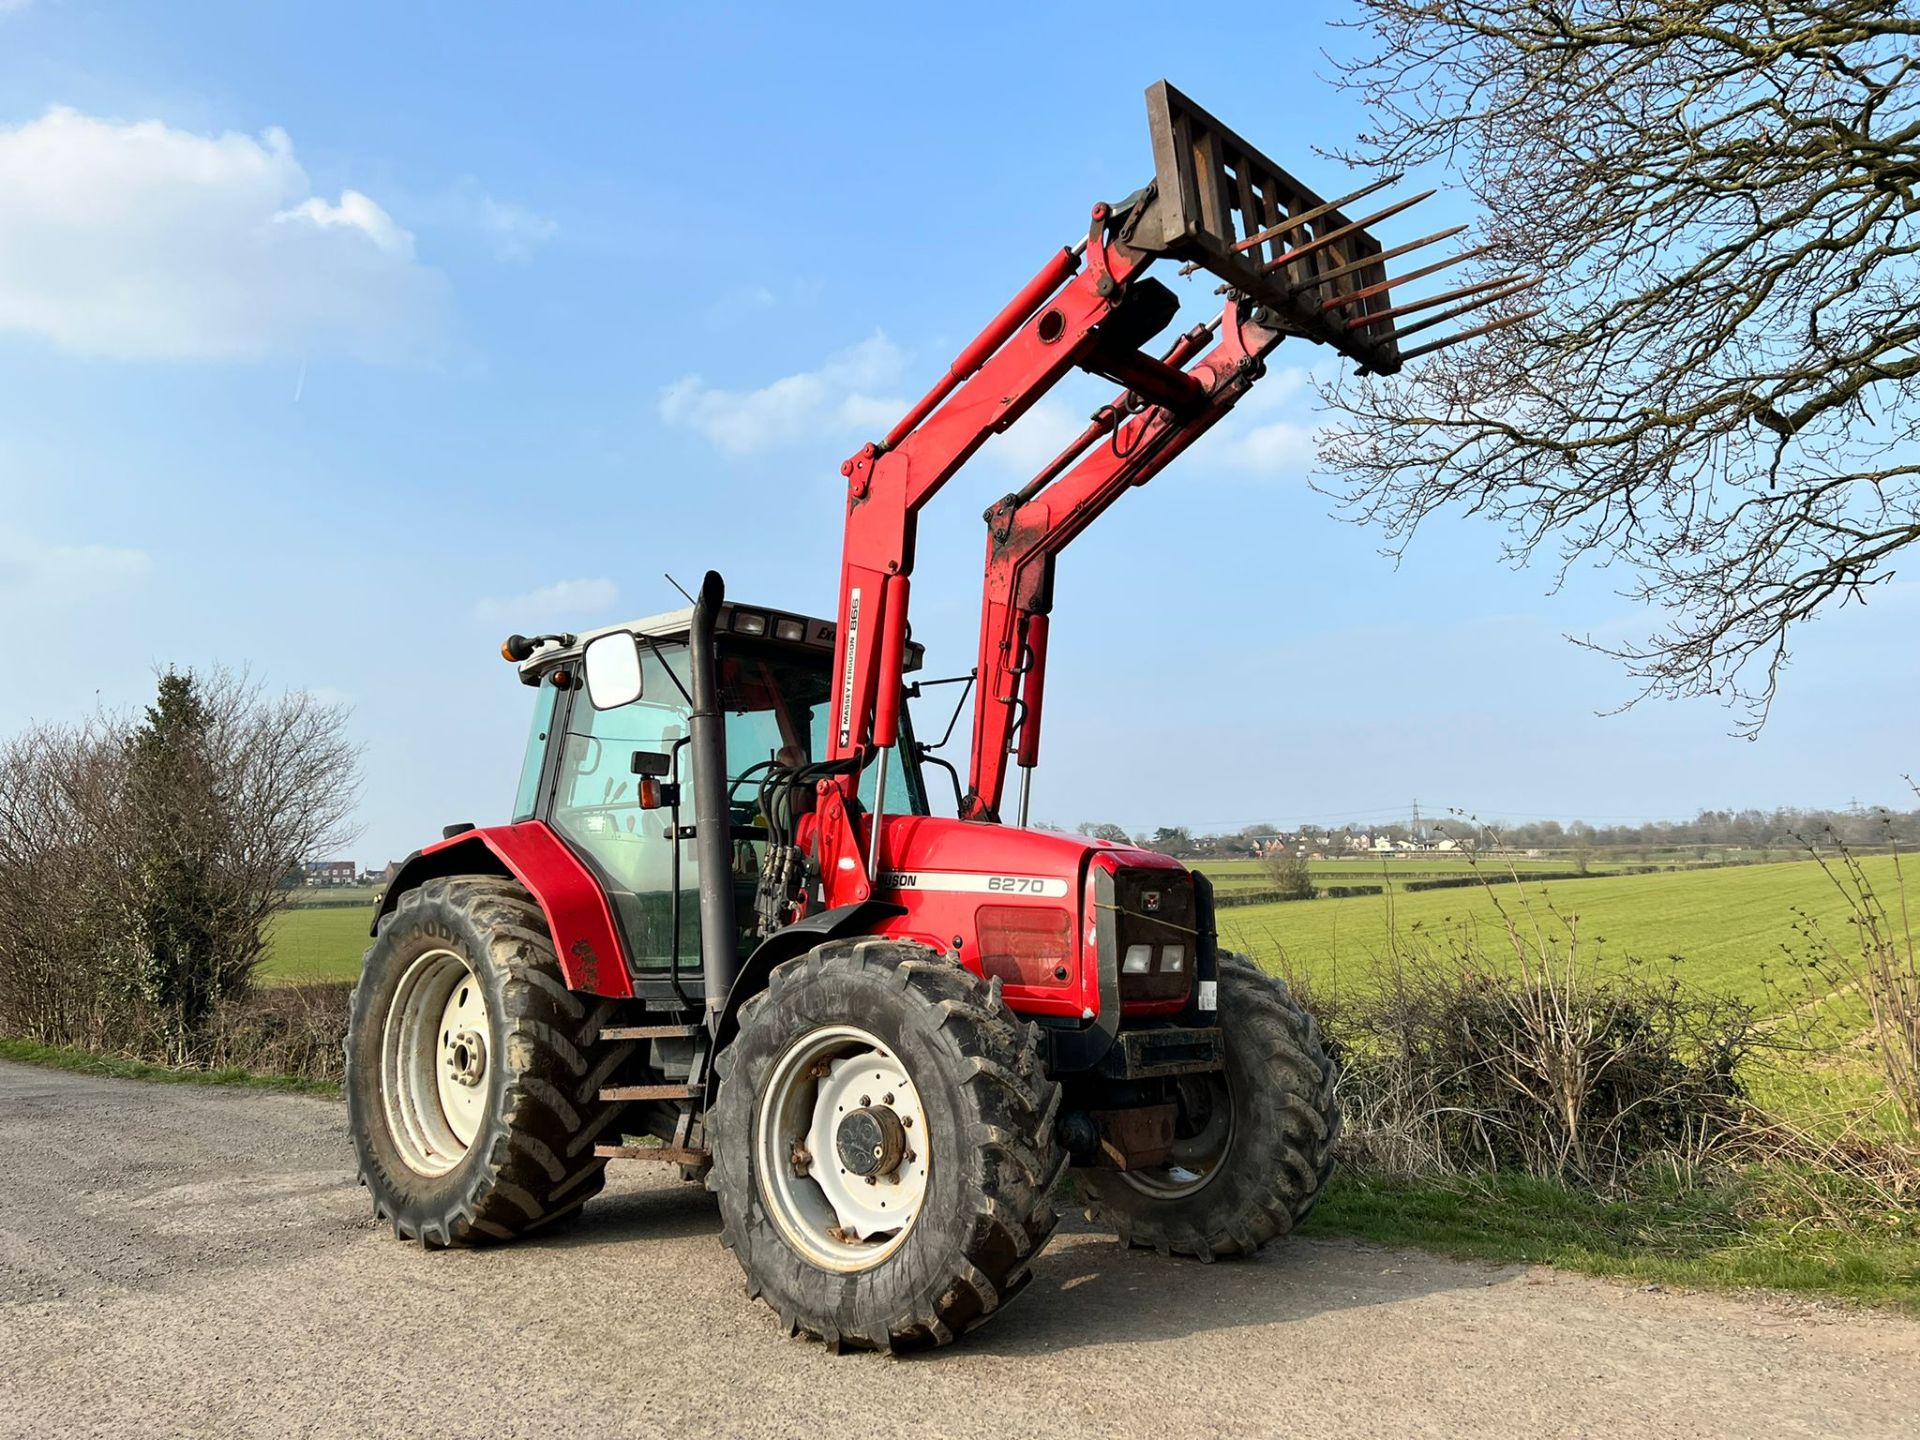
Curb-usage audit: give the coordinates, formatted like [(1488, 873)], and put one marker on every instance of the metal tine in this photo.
[(1363, 322), (1380, 259), (1340, 302), (1392, 281), (1320, 241), (1294, 222), (1502, 323), (1401, 332)]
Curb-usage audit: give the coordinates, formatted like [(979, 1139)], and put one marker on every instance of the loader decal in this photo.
[(853, 655)]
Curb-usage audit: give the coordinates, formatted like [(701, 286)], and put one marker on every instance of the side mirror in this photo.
[(613, 670)]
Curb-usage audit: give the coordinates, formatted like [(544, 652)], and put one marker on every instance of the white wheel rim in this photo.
[(1195, 1159), (832, 1216), (435, 1062)]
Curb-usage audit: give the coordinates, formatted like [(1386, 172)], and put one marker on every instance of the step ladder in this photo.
[(685, 1148)]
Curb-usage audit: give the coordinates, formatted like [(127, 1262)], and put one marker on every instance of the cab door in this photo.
[(594, 806)]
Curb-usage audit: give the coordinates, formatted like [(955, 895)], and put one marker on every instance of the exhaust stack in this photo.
[(712, 816)]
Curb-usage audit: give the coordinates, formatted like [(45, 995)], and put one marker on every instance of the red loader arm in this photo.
[(1029, 528), (1291, 263)]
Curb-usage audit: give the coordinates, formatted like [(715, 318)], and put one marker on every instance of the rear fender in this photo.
[(576, 908)]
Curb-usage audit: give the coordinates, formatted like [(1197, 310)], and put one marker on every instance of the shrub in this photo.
[(283, 1030), (1292, 877), (1563, 1076)]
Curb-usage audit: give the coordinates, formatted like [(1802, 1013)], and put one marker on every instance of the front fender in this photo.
[(578, 915), (859, 918)]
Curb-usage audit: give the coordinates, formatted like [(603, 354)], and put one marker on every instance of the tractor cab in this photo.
[(608, 760)]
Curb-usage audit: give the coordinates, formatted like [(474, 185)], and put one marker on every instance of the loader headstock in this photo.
[(1221, 205)]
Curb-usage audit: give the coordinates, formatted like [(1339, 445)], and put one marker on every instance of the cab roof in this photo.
[(735, 620)]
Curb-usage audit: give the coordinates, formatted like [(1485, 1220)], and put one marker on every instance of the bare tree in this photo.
[(1720, 394), (141, 861), (56, 936)]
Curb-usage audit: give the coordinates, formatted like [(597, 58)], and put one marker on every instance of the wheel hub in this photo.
[(871, 1141), (465, 1056)]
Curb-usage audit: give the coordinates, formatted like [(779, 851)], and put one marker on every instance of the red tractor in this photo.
[(725, 920)]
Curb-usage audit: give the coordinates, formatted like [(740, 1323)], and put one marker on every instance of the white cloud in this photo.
[(851, 395), (34, 573), (1278, 448), (1287, 445), (1036, 437), (354, 212), (562, 602), (513, 229), (1284, 387), (140, 241)]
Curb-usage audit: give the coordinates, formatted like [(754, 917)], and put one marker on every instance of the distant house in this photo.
[(317, 873)]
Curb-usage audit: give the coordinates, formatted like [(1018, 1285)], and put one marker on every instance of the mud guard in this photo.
[(859, 918), (582, 925)]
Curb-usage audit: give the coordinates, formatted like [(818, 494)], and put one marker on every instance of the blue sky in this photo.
[(338, 341)]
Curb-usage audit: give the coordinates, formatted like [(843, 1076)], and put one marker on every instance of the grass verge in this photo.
[(1740, 1232), (87, 1062)]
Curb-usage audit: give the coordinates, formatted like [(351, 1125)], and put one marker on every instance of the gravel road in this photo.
[(178, 1260)]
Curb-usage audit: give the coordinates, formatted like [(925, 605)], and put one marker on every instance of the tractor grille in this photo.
[(1154, 934)]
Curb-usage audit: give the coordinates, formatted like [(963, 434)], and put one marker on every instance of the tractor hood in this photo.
[(968, 851)]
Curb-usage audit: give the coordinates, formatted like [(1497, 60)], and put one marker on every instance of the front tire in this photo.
[(929, 1099), (472, 1071), (1253, 1148)]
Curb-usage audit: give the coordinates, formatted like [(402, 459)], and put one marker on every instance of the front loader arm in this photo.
[(1028, 529), (1292, 265), (1045, 332)]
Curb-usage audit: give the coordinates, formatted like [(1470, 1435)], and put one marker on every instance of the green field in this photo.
[(310, 943), (1721, 929), (1392, 871)]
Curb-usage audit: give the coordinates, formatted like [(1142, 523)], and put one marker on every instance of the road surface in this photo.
[(179, 1260)]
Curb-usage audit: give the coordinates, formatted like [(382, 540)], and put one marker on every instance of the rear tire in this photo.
[(472, 1071), (1278, 1136), (978, 1173)]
